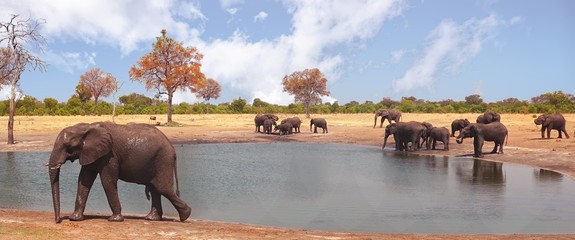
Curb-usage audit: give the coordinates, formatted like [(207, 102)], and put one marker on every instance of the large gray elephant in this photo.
[(480, 132), (318, 123), (260, 118), (405, 133), (295, 122), (549, 122), (488, 117), (438, 134), (457, 125), (137, 153), (389, 114)]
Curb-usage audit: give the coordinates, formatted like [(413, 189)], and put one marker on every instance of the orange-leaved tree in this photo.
[(307, 87), (211, 90), (170, 67), (98, 83)]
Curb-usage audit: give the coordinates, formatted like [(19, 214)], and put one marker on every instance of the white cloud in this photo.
[(118, 23), (255, 68), (225, 4), (449, 47), (396, 56), (260, 17), (232, 11), (71, 62)]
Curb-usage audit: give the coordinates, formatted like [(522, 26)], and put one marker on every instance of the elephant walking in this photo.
[(389, 114), (480, 132), (137, 153), (549, 122), (318, 122)]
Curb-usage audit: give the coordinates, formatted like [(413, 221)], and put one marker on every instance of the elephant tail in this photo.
[(176, 176), (147, 191)]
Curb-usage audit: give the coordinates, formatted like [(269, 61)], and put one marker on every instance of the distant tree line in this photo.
[(139, 104)]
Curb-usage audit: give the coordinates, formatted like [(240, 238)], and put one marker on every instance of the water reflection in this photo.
[(547, 175), (328, 187)]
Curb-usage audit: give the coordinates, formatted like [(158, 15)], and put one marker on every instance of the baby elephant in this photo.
[(438, 134), (285, 128), (318, 122), (268, 123)]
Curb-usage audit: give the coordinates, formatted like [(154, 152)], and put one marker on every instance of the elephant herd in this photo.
[(286, 126), (410, 136)]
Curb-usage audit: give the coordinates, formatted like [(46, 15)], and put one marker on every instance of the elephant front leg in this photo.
[(109, 179), (85, 181)]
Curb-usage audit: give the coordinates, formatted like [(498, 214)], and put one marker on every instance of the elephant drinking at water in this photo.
[(137, 153), (480, 132), (405, 133)]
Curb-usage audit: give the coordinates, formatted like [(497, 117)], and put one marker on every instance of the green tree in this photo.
[(238, 105)]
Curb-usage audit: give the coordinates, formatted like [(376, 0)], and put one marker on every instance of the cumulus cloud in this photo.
[(118, 23), (254, 68), (260, 17), (449, 46)]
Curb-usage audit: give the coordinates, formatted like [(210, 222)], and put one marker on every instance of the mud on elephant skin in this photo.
[(137, 153), (493, 132), (549, 122), (389, 114)]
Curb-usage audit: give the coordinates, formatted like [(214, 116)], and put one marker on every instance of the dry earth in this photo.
[(524, 146)]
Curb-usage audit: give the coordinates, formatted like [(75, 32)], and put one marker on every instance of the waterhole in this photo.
[(326, 187)]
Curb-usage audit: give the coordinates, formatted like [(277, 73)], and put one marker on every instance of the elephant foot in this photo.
[(76, 216), (154, 216), (185, 213), (116, 218)]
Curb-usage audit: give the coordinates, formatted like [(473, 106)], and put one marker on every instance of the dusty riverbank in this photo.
[(38, 133)]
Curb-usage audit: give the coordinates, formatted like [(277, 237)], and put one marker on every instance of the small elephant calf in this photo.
[(318, 122), (285, 128), (438, 134)]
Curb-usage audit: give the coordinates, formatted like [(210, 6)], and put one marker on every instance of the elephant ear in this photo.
[(97, 143), (547, 120)]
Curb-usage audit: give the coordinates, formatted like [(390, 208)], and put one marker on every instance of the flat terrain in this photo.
[(524, 146)]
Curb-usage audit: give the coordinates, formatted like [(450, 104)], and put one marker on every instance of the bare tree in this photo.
[(15, 36), (211, 90)]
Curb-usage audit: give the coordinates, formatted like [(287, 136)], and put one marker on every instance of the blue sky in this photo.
[(368, 49)]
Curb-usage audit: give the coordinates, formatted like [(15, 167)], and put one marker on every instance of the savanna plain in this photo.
[(37, 133)]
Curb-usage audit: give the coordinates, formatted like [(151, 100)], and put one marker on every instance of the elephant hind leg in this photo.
[(156, 212), (183, 209)]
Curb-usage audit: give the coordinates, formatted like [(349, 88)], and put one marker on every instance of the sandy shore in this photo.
[(38, 133)]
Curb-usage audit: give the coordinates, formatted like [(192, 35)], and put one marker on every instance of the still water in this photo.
[(327, 187)]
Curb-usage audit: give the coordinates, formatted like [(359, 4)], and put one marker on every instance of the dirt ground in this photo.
[(524, 146)]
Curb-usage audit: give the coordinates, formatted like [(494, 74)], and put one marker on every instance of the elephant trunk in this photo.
[(54, 165), (55, 184), (384, 141), (459, 139)]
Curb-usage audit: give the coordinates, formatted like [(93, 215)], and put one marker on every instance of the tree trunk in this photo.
[(11, 114), (170, 97), (307, 109)]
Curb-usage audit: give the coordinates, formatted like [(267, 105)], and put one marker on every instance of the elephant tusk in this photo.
[(56, 167), (45, 164)]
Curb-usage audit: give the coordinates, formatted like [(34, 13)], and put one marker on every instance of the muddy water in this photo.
[(327, 187)]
